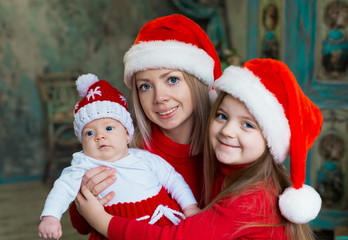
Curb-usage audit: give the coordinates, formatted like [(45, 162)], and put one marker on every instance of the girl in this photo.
[(170, 69), (259, 118)]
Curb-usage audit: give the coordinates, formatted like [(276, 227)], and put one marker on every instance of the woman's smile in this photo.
[(166, 112)]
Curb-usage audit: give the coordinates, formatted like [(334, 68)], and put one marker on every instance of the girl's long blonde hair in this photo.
[(201, 103), (263, 170)]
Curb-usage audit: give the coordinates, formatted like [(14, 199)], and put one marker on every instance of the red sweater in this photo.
[(222, 221), (177, 155), (223, 171)]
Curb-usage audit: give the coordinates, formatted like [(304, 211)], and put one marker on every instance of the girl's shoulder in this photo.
[(257, 197), (259, 205)]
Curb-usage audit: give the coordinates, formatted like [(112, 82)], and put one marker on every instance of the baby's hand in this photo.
[(191, 210), (50, 227)]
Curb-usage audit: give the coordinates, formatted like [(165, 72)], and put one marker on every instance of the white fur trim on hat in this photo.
[(83, 83), (168, 54), (262, 104), (212, 95), (300, 205), (102, 109)]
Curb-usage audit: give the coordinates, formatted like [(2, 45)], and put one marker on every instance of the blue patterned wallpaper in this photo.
[(47, 36)]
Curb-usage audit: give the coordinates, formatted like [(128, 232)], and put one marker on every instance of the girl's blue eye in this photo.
[(89, 133), (248, 125), (109, 128), (221, 116), (173, 80)]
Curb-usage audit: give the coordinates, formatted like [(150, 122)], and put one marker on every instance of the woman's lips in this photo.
[(167, 113)]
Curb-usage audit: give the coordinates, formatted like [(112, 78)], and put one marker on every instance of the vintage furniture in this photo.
[(59, 94)]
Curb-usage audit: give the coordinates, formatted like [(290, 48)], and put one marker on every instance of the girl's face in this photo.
[(235, 136), (166, 99), (105, 139)]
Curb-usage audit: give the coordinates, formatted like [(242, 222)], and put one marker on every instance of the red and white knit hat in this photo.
[(173, 42), (100, 100), (290, 123)]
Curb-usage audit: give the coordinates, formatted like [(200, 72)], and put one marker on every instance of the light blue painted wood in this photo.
[(253, 30), (300, 30)]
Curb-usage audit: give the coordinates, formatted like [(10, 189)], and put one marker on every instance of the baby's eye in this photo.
[(221, 116), (89, 133), (109, 128), (173, 80), (248, 125)]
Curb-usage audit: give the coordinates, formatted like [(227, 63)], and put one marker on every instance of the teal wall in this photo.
[(300, 52), (47, 36)]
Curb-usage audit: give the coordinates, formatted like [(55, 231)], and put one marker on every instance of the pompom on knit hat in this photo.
[(290, 123), (173, 42), (100, 100)]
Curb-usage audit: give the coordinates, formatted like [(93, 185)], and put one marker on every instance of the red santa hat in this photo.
[(173, 42), (290, 123), (100, 100)]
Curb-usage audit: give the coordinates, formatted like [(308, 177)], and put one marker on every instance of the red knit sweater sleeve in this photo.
[(77, 221), (223, 221)]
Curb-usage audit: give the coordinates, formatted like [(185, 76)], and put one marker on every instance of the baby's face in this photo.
[(105, 139)]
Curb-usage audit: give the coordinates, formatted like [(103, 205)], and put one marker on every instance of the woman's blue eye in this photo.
[(89, 133), (248, 125), (144, 87), (173, 80), (109, 128), (221, 116)]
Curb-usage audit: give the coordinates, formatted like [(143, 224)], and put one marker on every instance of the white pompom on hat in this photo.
[(100, 100), (173, 42), (290, 123)]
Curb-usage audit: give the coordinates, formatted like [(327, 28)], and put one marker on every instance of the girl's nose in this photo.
[(229, 130)]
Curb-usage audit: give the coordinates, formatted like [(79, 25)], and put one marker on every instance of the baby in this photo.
[(104, 127)]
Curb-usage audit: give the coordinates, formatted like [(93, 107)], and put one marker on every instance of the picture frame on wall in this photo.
[(328, 168), (332, 41), (270, 29)]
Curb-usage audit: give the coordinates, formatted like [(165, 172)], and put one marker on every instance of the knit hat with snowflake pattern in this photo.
[(290, 123), (100, 100)]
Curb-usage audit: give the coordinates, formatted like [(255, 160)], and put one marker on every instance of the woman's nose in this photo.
[(160, 95)]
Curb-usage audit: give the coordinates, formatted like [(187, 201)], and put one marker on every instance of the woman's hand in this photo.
[(97, 180), (92, 210)]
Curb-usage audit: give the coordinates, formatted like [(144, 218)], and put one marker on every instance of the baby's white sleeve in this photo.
[(173, 182), (64, 191)]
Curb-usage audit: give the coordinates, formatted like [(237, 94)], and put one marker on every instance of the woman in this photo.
[(170, 69)]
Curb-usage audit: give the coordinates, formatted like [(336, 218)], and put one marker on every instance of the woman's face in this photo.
[(166, 99), (235, 135)]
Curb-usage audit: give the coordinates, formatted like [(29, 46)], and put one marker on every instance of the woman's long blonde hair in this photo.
[(201, 103), (263, 170)]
